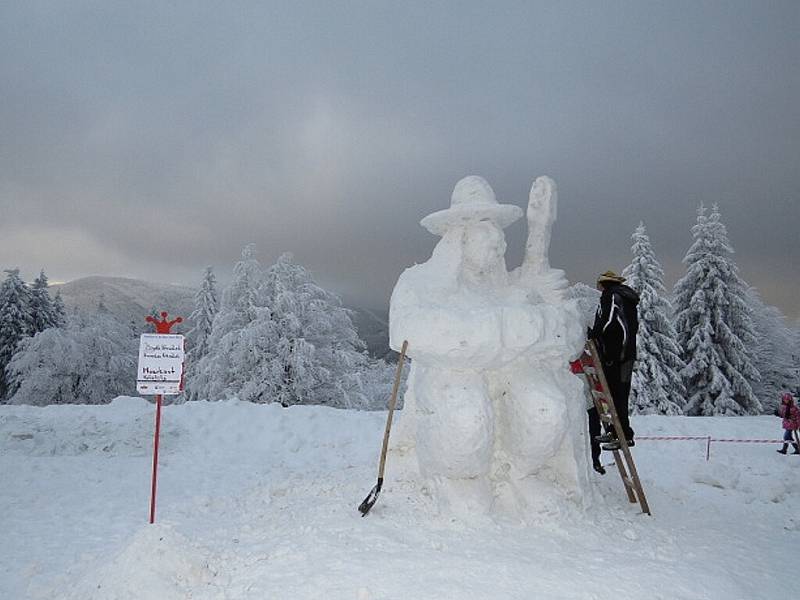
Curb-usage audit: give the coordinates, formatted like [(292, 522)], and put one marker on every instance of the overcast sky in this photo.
[(151, 139)]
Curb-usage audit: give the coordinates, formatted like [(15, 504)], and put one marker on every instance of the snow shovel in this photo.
[(372, 497)]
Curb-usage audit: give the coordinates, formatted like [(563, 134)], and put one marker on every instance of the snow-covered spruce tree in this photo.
[(774, 358), (42, 307), (202, 318), (59, 310), (218, 375), (88, 361), (16, 321), (714, 325), (238, 299), (287, 340), (656, 385), (317, 354)]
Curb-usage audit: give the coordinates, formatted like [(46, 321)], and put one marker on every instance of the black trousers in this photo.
[(594, 431), (618, 376)]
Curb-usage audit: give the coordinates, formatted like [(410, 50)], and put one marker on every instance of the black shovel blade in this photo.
[(371, 499)]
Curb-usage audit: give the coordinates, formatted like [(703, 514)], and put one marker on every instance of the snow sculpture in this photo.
[(492, 412)]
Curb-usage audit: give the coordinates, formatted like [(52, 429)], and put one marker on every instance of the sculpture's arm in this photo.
[(451, 337), (543, 328)]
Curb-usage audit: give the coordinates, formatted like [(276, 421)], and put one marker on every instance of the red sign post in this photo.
[(155, 461), (162, 327)]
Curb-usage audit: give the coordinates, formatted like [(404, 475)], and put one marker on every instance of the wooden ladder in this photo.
[(598, 387)]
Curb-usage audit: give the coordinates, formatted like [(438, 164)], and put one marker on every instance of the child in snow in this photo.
[(790, 414)]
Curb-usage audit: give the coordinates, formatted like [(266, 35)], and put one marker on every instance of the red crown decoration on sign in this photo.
[(163, 326)]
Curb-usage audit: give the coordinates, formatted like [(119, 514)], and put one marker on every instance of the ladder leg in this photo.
[(624, 475), (626, 451)]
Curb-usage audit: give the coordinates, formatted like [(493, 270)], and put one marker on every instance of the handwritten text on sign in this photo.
[(160, 364)]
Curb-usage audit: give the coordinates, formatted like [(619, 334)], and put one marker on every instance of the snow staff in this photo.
[(790, 414), (614, 332)]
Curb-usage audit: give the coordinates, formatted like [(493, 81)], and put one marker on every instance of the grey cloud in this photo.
[(167, 136)]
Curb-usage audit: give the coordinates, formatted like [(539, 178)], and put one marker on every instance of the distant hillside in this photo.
[(127, 299), (133, 299)]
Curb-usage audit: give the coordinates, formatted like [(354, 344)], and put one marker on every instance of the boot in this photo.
[(616, 445), (783, 450), (796, 449), (598, 467)]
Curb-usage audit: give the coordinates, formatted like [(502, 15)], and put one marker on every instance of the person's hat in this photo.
[(473, 200), (610, 276)]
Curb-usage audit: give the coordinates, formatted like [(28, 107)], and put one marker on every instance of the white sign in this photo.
[(160, 364)]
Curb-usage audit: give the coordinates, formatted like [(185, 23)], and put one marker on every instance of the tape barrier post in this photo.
[(708, 449)]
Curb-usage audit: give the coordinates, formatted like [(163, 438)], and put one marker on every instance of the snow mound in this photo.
[(158, 564), (266, 499), (125, 428)]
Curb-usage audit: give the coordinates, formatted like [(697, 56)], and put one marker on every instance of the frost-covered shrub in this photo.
[(280, 337), (90, 361)]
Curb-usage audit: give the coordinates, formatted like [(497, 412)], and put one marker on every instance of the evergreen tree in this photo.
[(59, 310), (88, 361), (774, 353), (44, 312), (656, 386), (16, 321), (205, 308), (218, 374), (280, 337), (317, 346), (236, 308), (714, 325), (287, 341)]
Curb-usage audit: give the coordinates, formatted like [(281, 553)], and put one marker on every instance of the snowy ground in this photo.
[(260, 502)]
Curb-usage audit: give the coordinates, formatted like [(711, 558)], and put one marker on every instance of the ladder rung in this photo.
[(598, 394)]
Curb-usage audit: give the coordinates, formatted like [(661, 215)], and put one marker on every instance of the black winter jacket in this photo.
[(616, 324)]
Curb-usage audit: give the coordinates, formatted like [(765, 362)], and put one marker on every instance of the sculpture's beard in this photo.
[(483, 257), (484, 274)]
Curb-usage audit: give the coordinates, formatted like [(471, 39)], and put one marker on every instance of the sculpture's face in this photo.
[(484, 246)]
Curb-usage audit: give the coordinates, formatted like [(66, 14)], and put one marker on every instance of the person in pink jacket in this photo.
[(790, 414)]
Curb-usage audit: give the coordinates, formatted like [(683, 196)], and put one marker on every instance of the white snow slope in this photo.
[(260, 502)]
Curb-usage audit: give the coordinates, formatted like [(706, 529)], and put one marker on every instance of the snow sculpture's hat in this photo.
[(610, 276), (473, 200)]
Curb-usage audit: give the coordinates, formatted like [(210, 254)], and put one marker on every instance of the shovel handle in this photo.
[(392, 403)]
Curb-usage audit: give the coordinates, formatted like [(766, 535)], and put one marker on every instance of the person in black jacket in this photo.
[(614, 332)]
